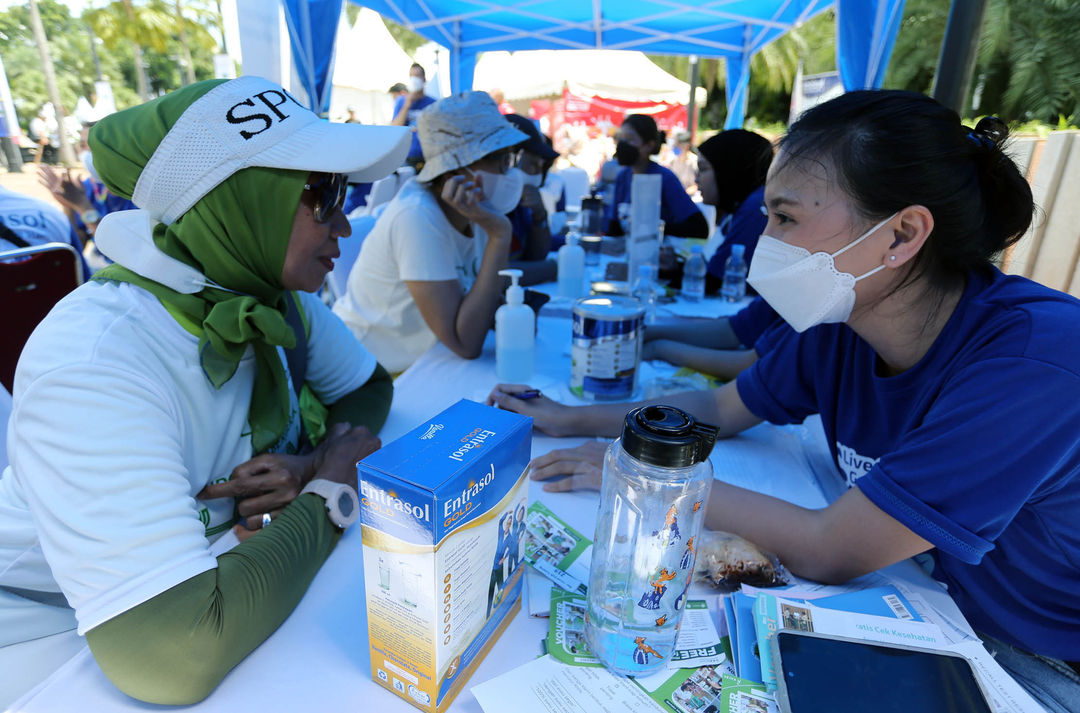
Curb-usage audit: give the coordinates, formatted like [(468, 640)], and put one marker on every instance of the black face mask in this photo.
[(626, 153)]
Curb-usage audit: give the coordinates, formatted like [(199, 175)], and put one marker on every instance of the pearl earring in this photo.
[(892, 257)]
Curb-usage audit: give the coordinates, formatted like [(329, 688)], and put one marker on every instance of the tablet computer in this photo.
[(818, 673)]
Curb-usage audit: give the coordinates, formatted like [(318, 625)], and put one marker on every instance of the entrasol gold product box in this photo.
[(443, 518)]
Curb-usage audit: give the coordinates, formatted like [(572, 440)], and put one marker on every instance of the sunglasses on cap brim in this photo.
[(329, 193)]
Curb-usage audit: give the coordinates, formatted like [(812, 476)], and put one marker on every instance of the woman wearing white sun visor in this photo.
[(169, 400)]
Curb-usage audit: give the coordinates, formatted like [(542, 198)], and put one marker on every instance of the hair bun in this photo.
[(990, 131)]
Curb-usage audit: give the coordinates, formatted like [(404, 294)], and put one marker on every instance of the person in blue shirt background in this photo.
[(530, 230), (26, 221), (732, 166), (85, 202), (949, 392), (637, 140), (408, 106)]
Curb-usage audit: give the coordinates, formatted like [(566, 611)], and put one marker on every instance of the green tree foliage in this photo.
[(69, 45), (772, 71), (408, 40), (1029, 61), (156, 28), (915, 55), (1027, 65)]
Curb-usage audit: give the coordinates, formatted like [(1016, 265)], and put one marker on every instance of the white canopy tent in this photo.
[(368, 62), (612, 74)]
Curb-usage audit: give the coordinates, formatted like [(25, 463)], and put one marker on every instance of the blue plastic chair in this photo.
[(338, 278)]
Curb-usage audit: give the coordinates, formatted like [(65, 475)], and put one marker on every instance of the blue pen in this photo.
[(526, 395)]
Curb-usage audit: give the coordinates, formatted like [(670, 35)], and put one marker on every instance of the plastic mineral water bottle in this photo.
[(655, 485), (734, 288), (693, 281), (645, 291)]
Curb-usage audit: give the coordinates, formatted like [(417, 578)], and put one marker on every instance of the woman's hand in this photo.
[(263, 485), (549, 416), (67, 191), (578, 468), (267, 483), (464, 196)]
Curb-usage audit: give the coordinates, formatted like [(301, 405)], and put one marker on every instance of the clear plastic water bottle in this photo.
[(693, 281), (734, 288), (644, 291), (655, 486)]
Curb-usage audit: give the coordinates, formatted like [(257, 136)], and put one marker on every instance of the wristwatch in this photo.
[(90, 216), (342, 504)]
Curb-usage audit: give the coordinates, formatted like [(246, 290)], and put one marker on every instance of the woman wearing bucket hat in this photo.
[(429, 269), (141, 398)]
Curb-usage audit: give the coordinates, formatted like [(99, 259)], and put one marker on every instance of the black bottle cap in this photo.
[(667, 437)]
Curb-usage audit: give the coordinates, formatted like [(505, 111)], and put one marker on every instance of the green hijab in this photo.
[(236, 235)]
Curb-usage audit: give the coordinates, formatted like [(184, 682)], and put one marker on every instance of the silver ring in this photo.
[(266, 519)]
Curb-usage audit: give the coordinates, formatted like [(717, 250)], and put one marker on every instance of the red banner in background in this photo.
[(602, 112)]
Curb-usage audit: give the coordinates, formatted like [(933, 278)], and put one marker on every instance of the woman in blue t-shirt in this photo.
[(732, 166), (637, 140), (948, 391)]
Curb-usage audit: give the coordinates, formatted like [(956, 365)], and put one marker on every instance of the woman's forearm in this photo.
[(724, 364), (476, 313), (712, 335), (774, 525), (606, 420), (176, 647)]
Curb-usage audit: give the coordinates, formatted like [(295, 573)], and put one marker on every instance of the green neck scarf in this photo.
[(237, 236)]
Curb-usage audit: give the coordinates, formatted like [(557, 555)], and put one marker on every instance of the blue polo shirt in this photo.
[(975, 448), (675, 204), (102, 200), (418, 106), (746, 226)]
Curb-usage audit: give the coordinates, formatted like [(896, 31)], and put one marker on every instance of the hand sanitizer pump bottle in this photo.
[(515, 334), (571, 267)]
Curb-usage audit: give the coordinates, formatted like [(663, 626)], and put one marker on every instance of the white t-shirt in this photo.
[(412, 240), (114, 431)]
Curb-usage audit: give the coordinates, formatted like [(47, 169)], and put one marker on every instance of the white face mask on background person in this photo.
[(415, 84), (502, 191), (805, 289), (532, 179)]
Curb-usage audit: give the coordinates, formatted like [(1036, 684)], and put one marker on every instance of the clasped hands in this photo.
[(267, 483)]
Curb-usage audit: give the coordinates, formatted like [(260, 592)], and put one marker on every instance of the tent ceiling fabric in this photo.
[(660, 26), (615, 74), (733, 29)]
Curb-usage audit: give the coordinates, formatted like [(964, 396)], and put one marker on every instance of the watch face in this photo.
[(345, 504)]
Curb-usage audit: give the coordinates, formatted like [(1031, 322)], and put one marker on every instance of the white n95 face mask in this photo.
[(805, 288), (502, 191)]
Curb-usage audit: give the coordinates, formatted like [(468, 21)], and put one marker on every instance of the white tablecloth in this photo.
[(318, 659)]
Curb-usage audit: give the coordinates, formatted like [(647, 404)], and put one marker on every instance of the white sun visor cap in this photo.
[(251, 121)]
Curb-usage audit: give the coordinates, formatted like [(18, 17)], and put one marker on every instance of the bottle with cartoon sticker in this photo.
[(656, 479)]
